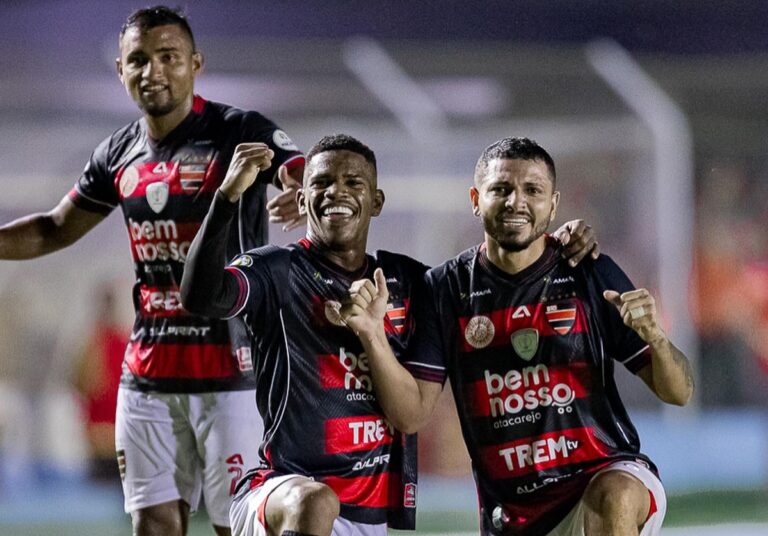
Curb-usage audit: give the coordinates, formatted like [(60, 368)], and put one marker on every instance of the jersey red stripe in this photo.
[(352, 434), (509, 320), (553, 449), (528, 389), (195, 361), (371, 491)]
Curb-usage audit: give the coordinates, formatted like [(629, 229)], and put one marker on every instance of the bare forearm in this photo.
[(671, 372), (32, 236), (405, 405), (42, 233)]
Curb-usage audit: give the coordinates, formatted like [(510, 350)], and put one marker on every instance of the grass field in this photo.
[(64, 513)]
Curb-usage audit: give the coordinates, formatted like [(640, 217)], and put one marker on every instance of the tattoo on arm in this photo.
[(682, 362)]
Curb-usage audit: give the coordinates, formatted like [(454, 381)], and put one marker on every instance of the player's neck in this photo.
[(349, 260), (160, 126), (514, 262)]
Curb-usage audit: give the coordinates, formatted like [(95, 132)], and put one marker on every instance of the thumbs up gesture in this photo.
[(638, 310), (366, 306)]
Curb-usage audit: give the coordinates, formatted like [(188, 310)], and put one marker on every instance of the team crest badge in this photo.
[(333, 313), (157, 196), (479, 331), (525, 342), (561, 316)]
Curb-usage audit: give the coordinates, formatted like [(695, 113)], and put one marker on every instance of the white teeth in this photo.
[(518, 221), (338, 210)]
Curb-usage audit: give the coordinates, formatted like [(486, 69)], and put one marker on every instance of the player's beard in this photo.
[(157, 109), (515, 242)]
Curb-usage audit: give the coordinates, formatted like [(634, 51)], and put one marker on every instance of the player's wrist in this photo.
[(229, 195)]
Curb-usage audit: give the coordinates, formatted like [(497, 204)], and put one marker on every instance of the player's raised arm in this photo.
[(669, 375), (407, 402), (206, 288), (46, 232)]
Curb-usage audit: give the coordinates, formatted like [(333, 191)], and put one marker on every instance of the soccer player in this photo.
[(183, 425), (529, 344), (332, 460)]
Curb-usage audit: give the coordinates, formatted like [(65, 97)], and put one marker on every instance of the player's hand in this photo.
[(248, 160), (578, 240), (283, 208), (638, 310), (364, 311)]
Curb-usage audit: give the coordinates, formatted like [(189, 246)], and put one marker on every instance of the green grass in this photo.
[(701, 508)]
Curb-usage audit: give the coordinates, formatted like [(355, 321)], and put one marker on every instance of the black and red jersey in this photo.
[(165, 188), (314, 387), (531, 358)]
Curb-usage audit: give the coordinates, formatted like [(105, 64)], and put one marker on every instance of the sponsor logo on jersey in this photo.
[(179, 331), (351, 434), (526, 390), (409, 495), (129, 180), (282, 140), (348, 371), (478, 293), (561, 316), (160, 301), (243, 260), (542, 452), (157, 196), (371, 462), (244, 362), (525, 342), (537, 452), (333, 313), (479, 331), (319, 277), (158, 240)]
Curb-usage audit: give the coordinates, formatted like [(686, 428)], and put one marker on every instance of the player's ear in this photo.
[(300, 202), (119, 68), (378, 202), (198, 61), (555, 204), (474, 197)]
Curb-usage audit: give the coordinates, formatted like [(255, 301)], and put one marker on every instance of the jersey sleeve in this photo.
[(95, 190), (425, 357), (256, 288), (622, 343), (257, 128)]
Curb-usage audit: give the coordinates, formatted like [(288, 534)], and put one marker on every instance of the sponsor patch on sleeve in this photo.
[(282, 140)]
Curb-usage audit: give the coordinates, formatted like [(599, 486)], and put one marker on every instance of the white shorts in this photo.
[(573, 523), (179, 446), (246, 514)]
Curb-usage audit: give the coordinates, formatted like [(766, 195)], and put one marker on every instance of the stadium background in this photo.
[(654, 112)]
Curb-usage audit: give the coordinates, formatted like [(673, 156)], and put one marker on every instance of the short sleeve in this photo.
[(95, 190), (425, 357), (622, 343)]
